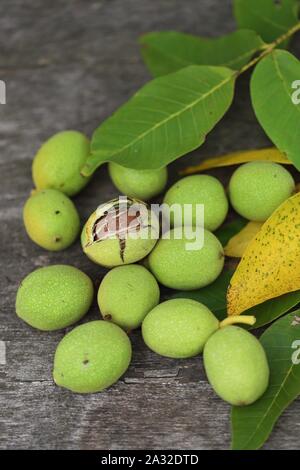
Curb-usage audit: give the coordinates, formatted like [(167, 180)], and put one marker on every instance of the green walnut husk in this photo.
[(120, 232), (92, 357), (139, 184), (179, 328), (175, 266), (59, 161), (195, 190), (256, 189), (51, 219), (54, 297), (236, 365), (126, 294)]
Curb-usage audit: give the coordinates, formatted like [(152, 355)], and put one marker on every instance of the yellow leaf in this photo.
[(270, 265), (237, 245), (271, 154)]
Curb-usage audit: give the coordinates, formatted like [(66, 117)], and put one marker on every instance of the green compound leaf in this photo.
[(167, 118), (166, 52), (271, 94), (213, 296), (251, 425), (270, 19)]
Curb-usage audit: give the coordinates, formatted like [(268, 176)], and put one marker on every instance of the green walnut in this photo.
[(179, 328), (176, 265), (119, 232), (54, 297), (198, 189), (236, 365), (92, 357), (126, 294), (256, 189), (59, 161), (51, 220), (139, 184)]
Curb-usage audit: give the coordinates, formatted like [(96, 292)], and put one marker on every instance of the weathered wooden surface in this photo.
[(69, 65)]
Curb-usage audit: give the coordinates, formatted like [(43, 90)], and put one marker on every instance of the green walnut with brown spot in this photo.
[(126, 294), (51, 219), (92, 357)]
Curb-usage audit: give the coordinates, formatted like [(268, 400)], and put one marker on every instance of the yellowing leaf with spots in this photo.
[(237, 245), (271, 154), (270, 265)]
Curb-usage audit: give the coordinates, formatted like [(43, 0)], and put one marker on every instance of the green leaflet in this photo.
[(271, 94), (164, 120), (168, 51), (272, 309), (268, 18), (251, 425)]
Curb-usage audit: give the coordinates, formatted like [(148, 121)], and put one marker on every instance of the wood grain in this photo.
[(69, 65)]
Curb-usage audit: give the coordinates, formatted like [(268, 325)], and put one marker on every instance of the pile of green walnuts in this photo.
[(96, 354)]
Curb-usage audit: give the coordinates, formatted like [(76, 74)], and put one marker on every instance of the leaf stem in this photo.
[(245, 319), (270, 47)]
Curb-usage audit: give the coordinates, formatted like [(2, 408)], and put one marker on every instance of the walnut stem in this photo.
[(268, 48), (245, 319)]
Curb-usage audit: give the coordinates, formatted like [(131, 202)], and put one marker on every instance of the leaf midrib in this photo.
[(250, 51)]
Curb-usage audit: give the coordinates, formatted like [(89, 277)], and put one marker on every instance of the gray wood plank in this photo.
[(69, 65)]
